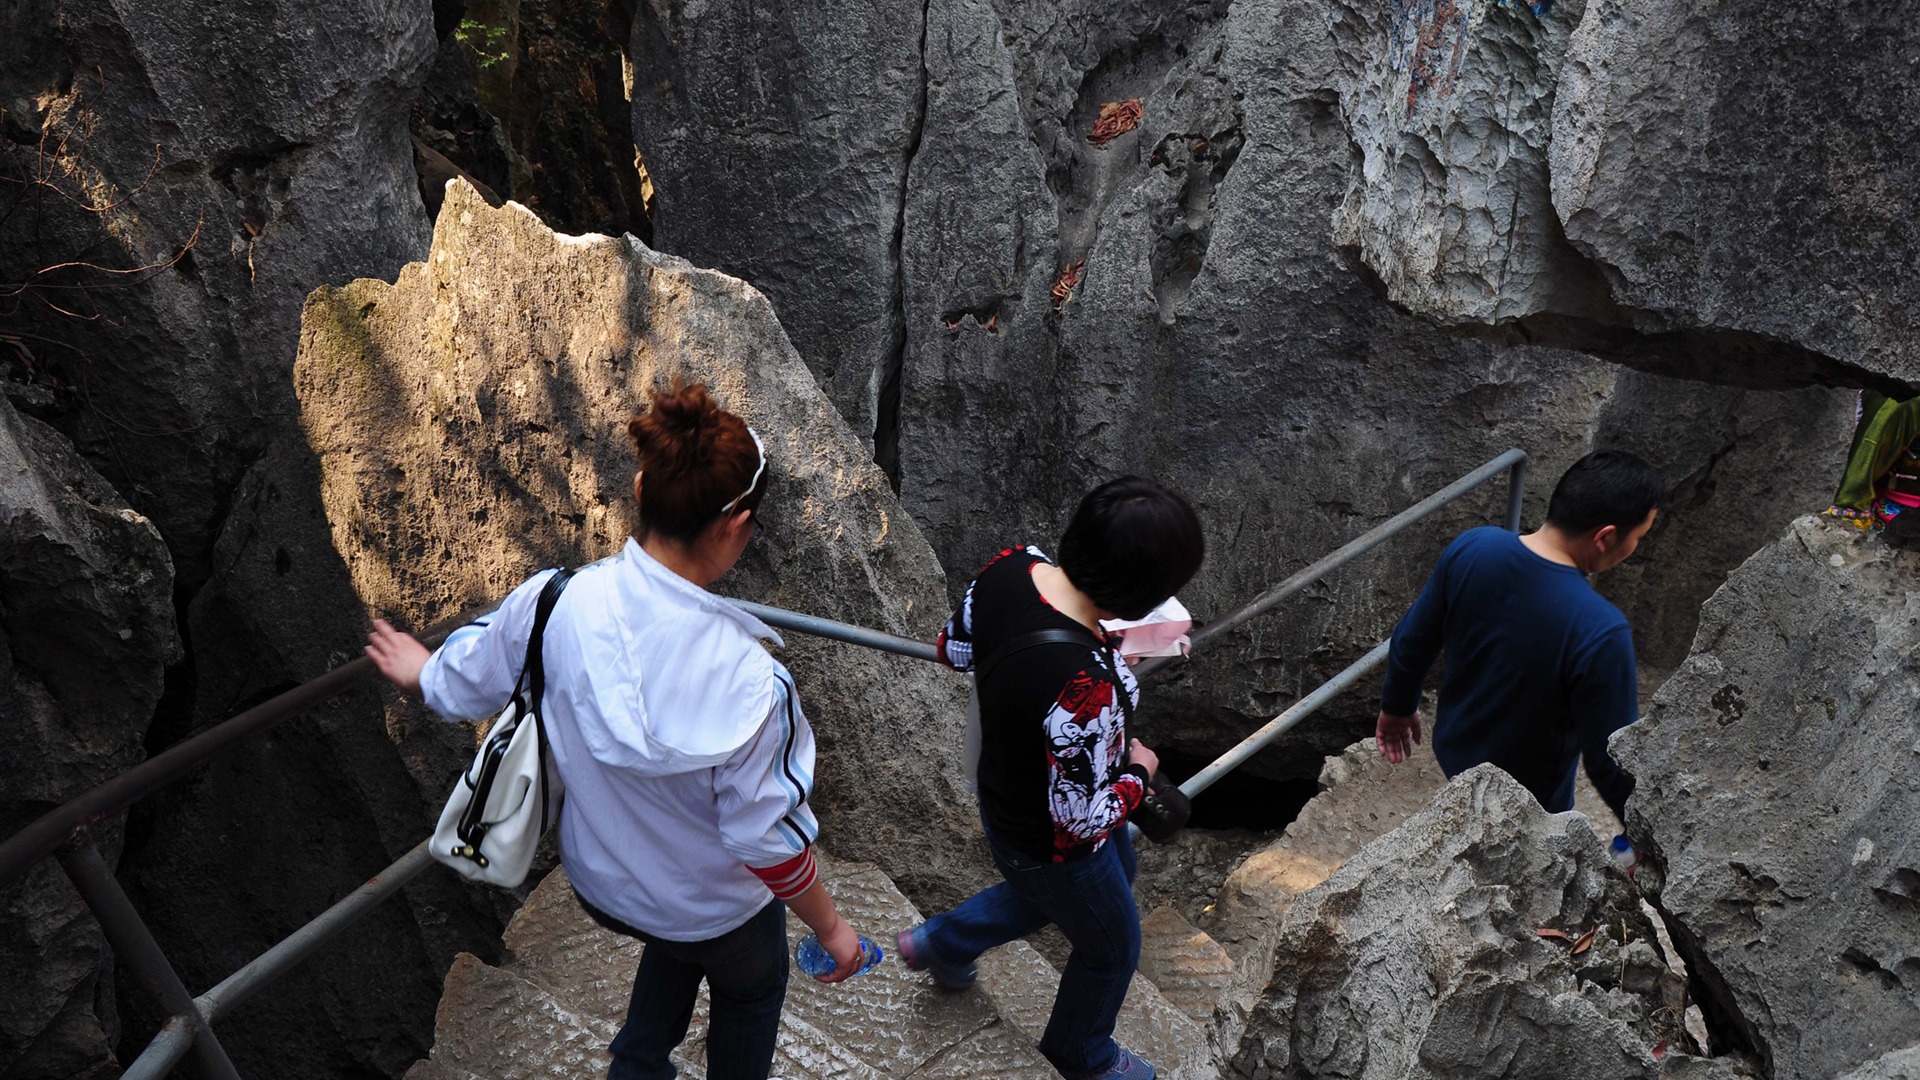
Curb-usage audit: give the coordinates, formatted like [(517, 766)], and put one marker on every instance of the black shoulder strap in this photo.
[(1062, 636), (535, 667), (1027, 641), (536, 673)]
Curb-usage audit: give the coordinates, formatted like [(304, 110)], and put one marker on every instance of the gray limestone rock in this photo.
[(1744, 199), (1661, 185), (777, 139), (242, 154), (1422, 957), (470, 426), (1450, 106), (1777, 777), (1742, 465), (1898, 1065), (86, 632)]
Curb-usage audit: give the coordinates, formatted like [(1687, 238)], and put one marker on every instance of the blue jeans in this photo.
[(746, 973), (1091, 901)]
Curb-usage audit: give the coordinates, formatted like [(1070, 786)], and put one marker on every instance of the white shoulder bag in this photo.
[(506, 800)]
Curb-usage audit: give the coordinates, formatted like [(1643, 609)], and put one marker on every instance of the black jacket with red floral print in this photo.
[(1054, 777)]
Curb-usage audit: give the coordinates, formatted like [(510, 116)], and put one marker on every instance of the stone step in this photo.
[(1188, 967), (562, 993), (1022, 983)]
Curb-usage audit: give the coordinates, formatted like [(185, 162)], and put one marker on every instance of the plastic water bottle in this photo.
[(814, 961), (1623, 854)]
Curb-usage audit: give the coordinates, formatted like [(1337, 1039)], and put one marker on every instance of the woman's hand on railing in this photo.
[(398, 656)]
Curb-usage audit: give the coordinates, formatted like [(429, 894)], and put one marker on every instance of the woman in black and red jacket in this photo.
[(1057, 774)]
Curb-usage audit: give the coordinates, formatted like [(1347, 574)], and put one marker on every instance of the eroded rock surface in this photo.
[(1197, 298), (470, 422), (86, 632), (1585, 174), (1778, 772), (1422, 956), (243, 156)]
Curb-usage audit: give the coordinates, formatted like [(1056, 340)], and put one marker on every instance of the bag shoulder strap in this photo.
[(536, 673), (1023, 642), (535, 666), (1061, 636)]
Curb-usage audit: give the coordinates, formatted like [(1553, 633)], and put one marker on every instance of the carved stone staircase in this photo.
[(551, 1009)]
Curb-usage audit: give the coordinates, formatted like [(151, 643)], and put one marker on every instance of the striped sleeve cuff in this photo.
[(791, 878)]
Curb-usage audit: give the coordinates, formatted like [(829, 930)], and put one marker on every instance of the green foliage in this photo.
[(487, 42)]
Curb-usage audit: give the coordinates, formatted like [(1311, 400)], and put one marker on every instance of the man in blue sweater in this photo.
[(1539, 667)]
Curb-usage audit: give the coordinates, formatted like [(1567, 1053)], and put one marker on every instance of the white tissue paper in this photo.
[(1163, 632)]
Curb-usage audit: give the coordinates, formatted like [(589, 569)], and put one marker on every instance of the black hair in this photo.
[(1607, 487), (1130, 545)]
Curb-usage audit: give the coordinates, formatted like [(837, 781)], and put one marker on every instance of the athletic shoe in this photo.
[(1126, 1066), (918, 956)]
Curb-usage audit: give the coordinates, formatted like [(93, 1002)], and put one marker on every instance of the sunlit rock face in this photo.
[(1778, 773), (470, 422)]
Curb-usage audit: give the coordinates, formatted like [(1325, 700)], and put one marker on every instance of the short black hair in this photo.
[(1607, 487), (1131, 544)]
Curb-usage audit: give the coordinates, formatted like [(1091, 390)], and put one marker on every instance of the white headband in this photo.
[(755, 482)]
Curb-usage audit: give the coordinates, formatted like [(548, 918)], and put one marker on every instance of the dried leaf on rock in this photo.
[(1550, 932), (1116, 119), (1584, 943), (1063, 285)]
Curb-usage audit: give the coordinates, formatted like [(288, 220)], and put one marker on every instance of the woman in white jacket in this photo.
[(687, 761)]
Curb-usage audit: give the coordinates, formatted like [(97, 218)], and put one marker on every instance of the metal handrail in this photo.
[(65, 832)]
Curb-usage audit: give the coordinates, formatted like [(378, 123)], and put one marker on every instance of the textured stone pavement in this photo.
[(551, 1009)]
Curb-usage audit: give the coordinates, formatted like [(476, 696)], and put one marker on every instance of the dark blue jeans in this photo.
[(746, 973), (1091, 901)]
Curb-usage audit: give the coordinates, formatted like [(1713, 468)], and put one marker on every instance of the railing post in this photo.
[(134, 946), (1516, 493)]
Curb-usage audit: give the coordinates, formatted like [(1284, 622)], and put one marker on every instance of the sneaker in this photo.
[(1127, 1065), (918, 956)]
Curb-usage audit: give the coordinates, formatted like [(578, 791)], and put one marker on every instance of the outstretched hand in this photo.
[(1397, 736), (398, 656)]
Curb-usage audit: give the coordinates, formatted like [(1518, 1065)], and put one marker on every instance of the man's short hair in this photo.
[(1607, 487), (1130, 545)]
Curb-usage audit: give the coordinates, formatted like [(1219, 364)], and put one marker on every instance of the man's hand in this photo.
[(1397, 735), (398, 656), (1138, 754)]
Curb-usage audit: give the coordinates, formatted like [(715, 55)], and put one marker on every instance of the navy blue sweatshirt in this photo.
[(1539, 668)]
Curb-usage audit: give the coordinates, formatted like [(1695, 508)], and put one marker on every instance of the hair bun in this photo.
[(678, 430)]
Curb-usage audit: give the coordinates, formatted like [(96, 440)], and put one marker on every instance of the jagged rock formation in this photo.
[(552, 1009), (1899, 1065), (1585, 174), (243, 159), (1743, 464), (470, 426), (1016, 313), (1421, 956), (1777, 780), (86, 631), (531, 101), (781, 139)]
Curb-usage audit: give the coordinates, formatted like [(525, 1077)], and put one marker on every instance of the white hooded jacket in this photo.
[(687, 761)]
